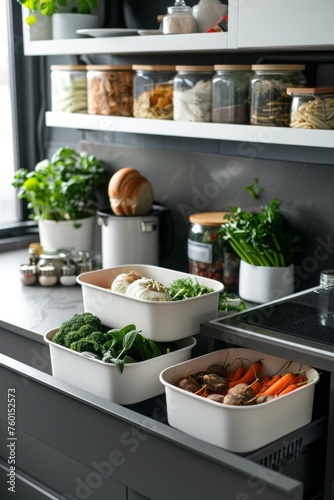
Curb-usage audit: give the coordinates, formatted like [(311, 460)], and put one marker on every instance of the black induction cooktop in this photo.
[(302, 316)]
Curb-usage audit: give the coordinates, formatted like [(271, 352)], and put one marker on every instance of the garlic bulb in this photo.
[(148, 289), (123, 280)]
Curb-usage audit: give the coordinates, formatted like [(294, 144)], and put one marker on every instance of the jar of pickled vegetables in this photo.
[(193, 93), (231, 93), (153, 91), (69, 88), (312, 108), (270, 104), (209, 255), (110, 90)]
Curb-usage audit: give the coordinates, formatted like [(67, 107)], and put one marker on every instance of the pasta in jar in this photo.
[(110, 90)]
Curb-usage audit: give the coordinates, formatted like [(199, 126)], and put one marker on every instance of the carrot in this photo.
[(239, 372), (272, 380), (289, 388), (256, 385), (285, 380), (249, 376)]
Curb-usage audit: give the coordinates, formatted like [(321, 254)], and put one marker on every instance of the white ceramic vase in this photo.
[(65, 25), (71, 235), (262, 284)]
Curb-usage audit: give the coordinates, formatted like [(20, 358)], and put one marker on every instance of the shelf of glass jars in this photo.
[(194, 42), (197, 130)]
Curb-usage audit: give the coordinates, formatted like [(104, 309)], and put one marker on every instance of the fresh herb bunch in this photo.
[(63, 188), (186, 288), (263, 238), (50, 7)]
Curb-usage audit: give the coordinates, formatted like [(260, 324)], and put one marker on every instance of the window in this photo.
[(9, 207), (21, 130)]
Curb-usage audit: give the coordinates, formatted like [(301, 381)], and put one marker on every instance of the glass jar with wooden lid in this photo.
[(209, 255), (153, 91), (312, 108), (110, 90), (270, 104)]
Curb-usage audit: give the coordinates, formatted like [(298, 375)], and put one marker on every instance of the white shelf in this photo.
[(197, 130), (195, 42)]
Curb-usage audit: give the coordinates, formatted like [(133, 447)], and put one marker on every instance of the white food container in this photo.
[(239, 429), (159, 321), (139, 381)]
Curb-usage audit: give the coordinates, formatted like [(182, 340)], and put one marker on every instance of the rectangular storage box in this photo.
[(139, 381), (239, 429), (159, 321)]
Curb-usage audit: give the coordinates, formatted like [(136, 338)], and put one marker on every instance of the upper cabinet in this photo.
[(284, 24), (253, 24)]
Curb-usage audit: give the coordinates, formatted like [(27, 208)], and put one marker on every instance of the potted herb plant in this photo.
[(267, 245), (67, 15), (62, 195)]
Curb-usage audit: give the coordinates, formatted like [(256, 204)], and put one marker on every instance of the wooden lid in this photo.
[(108, 67), (232, 67), (310, 90), (209, 218), (68, 67), (278, 67), (153, 67), (194, 68)]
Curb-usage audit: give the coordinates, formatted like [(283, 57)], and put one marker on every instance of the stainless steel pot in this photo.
[(138, 239)]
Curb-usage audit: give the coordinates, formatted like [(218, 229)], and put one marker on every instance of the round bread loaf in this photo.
[(130, 193)]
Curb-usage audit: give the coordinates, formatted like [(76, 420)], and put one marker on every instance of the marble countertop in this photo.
[(33, 309)]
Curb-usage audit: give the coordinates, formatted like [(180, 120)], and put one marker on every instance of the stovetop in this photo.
[(302, 316)]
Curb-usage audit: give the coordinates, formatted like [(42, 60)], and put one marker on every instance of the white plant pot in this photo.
[(72, 235), (41, 30), (262, 284), (65, 25)]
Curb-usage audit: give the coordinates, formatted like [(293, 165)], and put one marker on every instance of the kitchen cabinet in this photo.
[(283, 24)]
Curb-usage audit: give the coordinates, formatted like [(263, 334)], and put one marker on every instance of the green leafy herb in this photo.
[(263, 238), (63, 188), (186, 288)]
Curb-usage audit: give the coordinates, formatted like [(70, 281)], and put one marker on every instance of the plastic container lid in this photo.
[(232, 67), (209, 218)]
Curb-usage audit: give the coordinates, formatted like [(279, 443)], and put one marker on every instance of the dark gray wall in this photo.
[(190, 175)]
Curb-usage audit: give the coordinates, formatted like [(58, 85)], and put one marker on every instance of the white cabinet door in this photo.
[(286, 24)]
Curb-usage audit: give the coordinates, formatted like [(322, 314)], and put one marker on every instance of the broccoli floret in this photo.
[(86, 345), (74, 324), (98, 337), (83, 332)]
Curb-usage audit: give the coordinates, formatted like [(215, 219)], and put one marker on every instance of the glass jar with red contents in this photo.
[(209, 255)]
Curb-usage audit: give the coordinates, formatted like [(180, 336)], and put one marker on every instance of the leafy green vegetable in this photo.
[(84, 333), (263, 238), (186, 288)]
